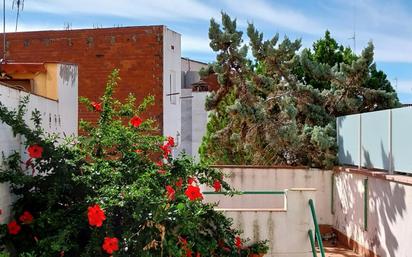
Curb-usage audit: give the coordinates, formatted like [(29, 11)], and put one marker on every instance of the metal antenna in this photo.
[(354, 27), (396, 83), (4, 32), (19, 4)]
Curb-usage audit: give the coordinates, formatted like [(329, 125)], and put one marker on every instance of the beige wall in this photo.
[(282, 219), (271, 179), (286, 230), (389, 215)]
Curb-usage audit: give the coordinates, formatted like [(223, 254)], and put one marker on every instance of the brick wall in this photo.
[(136, 51)]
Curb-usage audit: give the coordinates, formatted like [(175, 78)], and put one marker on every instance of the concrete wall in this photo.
[(386, 230), (194, 115), (172, 86), (199, 121), (57, 117), (286, 230), (283, 219), (187, 121), (270, 179), (192, 65)]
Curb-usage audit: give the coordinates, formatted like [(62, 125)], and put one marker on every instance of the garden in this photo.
[(113, 191)]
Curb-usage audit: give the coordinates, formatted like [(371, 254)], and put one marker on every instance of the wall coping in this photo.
[(397, 178), (261, 167)]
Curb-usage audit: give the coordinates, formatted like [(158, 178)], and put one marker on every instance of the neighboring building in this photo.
[(194, 115), (149, 59), (52, 90)]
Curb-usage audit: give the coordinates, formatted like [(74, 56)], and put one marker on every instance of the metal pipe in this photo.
[(312, 243), (317, 231)]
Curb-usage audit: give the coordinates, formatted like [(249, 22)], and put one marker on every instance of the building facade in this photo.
[(148, 57)]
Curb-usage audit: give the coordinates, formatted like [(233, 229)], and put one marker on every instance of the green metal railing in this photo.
[(317, 232)]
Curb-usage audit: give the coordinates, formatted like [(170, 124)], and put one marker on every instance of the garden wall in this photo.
[(57, 117), (275, 204), (373, 212), (260, 178)]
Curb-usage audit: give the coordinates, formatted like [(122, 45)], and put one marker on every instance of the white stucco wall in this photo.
[(172, 85), (273, 179), (389, 214), (186, 138), (57, 117), (287, 230), (199, 121), (284, 221)]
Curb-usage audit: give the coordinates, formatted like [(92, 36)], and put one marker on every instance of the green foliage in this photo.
[(259, 247), (279, 106), (103, 167)]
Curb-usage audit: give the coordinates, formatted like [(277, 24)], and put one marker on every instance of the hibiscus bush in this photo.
[(113, 191)]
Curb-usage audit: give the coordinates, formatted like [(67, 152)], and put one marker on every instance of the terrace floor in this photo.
[(338, 251)]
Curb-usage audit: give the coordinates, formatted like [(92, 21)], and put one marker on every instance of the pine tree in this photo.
[(279, 106)]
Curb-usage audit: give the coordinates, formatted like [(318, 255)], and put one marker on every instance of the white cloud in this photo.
[(387, 24), (288, 18), (195, 44), (134, 9)]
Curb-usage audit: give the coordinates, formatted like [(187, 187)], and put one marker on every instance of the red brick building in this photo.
[(148, 58)]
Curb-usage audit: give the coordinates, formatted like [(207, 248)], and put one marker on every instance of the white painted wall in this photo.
[(285, 222), (199, 121), (273, 179), (57, 116), (192, 65), (286, 230), (389, 218), (187, 122), (172, 84)]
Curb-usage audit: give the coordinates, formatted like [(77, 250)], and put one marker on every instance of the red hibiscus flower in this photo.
[(159, 163), (190, 180), (179, 183), (170, 193), (135, 121), (170, 141), (197, 254), (13, 228), (35, 151), (110, 245), (138, 151), (97, 106), (188, 253), (217, 185), (238, 242), (166, 150), (183, 241), (96, 215), (193, 193), (26, 218)]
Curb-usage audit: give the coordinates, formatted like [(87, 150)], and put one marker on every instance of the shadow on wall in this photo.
[(386, 207)]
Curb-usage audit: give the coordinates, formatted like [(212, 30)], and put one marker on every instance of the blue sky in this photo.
[(387, 23)]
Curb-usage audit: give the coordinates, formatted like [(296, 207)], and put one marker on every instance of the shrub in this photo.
[(114, 191)]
